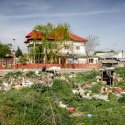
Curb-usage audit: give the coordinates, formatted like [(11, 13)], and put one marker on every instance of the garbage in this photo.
[(89, 115), (98, 78), (119, 79), (62, 105), (118, 89), (87, 96), (54, 69), (72, 76), (71, 109), (6, 86), (75, 91), (81, 91), (37, 73), (101, 96), (26, 83), (103, 90), (94, 83)]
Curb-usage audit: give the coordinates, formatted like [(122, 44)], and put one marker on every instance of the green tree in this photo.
[(23, 59), (18, 52), (50, 35), (4, 50)]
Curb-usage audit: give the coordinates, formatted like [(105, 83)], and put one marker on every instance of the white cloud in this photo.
[(60, 14), (34, 5)]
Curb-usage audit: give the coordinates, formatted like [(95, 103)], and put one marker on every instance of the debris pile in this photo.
[(70, 91)]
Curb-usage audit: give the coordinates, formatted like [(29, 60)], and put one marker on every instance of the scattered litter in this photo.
[(37, 73), (75, 91), (71, 109), (118, 89), (26, 83), (87, 96), (6, 86), (54, 69), (100, 96), (89, 115), (62, 105)]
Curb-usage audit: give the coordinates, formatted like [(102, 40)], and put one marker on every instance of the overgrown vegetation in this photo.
[(38, 105), (86, 76), (4, 50)]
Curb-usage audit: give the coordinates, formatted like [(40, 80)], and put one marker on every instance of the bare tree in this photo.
[(90, 45)]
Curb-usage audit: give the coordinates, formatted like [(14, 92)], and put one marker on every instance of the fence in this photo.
[(38, 66), (6, 63)]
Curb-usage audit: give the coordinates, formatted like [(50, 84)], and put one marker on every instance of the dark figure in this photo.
[(44, 69)]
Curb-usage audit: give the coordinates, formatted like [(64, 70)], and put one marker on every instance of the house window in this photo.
[(91, 60), (77, 47), (66, 47)]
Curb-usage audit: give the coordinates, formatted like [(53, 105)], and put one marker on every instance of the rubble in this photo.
[(81, 91), (46, 78)]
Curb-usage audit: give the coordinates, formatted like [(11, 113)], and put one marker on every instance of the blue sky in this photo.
[(102, 18)]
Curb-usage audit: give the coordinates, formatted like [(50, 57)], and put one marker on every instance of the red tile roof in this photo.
[(77, 38), (39, 36)]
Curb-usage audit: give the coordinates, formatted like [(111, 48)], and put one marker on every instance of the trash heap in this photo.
[(78, 98)]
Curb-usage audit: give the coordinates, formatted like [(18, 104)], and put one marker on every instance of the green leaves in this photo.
[(19, 52), (4, 50), (53, 36)]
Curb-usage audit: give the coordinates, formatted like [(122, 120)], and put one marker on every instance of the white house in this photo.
[(73, 50)]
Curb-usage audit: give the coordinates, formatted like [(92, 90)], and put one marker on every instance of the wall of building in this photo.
[(74, 48), (81, 60)]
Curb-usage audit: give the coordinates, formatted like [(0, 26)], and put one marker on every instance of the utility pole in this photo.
[(14, 54)]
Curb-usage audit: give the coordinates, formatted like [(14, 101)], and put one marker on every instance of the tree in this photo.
[(18, 52), (90, 45), (23, 59), (58, 33), (4, 50)]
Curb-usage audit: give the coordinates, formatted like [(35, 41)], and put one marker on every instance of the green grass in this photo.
[(38, 105)]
